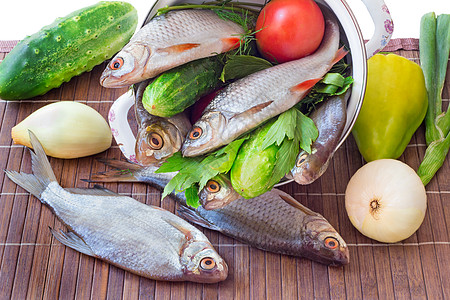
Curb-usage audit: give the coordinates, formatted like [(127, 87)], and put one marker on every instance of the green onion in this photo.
[(434, 44)]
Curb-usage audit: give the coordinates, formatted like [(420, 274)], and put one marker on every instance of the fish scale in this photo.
[(252, 100), (71, 209), (170, 40), (175, 26), (274, 222)]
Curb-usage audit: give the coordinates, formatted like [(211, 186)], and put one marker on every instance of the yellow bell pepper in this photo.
[(394, 106)]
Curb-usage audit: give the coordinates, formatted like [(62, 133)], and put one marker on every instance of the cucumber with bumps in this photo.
[(176, 89), (66, 48)]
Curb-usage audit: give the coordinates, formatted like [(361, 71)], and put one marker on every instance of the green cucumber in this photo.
[(177, 89), (66, 48), (253, 167)]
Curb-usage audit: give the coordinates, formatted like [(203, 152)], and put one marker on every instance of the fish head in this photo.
[(322, 243), (308, 167), (126, 67), (217, 193), (205, 134), (202, 263), (157, 141)]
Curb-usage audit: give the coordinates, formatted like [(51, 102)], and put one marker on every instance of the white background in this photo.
[(19, 18)]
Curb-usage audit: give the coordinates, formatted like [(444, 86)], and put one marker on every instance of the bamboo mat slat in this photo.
[(33, 265)]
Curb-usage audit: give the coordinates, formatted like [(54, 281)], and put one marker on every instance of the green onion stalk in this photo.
[(434, 44)]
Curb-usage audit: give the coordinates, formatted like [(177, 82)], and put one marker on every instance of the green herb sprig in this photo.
[(291, 131), (194, 172)]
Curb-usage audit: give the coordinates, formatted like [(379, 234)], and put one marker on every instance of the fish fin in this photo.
[(42, 175), (73, 241), (231, 42), (305, 85), (294, 203), (187, 233), (253, 110), (119, 164), (179, 48), (98, 190), (124, 172), (193, 217), (340, 54), (113, 176)]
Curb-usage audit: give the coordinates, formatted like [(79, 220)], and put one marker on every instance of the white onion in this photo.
[(386, 200)]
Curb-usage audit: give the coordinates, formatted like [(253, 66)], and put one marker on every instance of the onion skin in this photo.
[(386, 200)]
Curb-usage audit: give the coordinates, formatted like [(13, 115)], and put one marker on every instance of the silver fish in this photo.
[(273, 222), (330, 118), (168, 41), (157, 138), (146, 240), (248, 102)]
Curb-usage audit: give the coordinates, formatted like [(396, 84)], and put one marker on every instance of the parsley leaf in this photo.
[(192, 198), (306, 130), (291, 131)]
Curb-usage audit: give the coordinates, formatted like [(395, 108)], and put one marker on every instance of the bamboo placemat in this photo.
[(34, 265)]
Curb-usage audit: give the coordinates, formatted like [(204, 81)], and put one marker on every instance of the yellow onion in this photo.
[(386, 200), (65, 129)]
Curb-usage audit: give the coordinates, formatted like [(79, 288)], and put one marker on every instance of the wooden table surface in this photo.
[(34, 265)]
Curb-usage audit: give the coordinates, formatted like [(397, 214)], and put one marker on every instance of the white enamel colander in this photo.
[(350, 35)]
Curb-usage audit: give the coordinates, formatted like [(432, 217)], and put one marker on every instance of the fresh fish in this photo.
[(273, 222), (217, 193), (168, 41), (146, 240), (330, 118), (157, 138), (248, 102)]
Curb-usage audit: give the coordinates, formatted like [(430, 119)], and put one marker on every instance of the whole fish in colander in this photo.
[(330, 118), (248, 102), (273, 222), (146, 240), (157, 138), (170, 40)]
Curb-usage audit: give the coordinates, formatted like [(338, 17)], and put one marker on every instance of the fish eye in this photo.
[(213, 186), (195, 133), (301, 159), (207, 263), (116, 63), (155, 141), (331, 243)]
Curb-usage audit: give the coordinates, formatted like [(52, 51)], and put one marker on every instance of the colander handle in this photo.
[(120, 127), (383, 26)]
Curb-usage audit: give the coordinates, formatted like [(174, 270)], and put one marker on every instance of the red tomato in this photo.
[(289, 29)]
